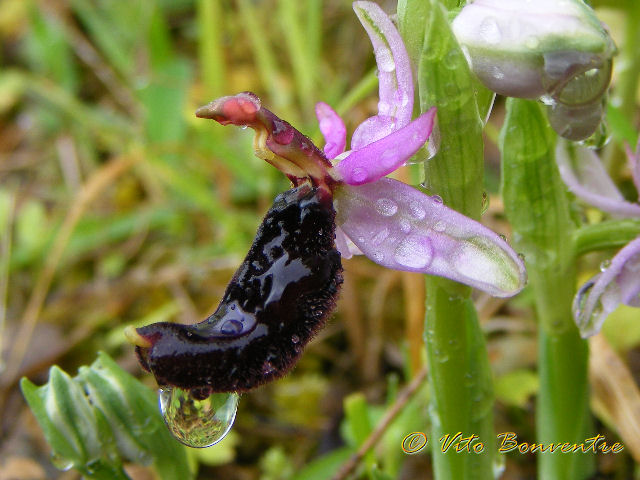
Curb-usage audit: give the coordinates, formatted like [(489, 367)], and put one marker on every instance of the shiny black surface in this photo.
[(277, 300)]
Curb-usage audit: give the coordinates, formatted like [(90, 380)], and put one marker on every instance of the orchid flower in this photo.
[(393, 224), (619, 282)]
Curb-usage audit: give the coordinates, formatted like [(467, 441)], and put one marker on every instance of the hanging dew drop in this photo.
[(61, 463), (604, 265), (197, 423)]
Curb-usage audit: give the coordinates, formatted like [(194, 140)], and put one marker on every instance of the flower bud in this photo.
[(552, 49)]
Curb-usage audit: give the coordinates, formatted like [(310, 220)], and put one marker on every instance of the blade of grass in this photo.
[(265, 59), (210, 47)]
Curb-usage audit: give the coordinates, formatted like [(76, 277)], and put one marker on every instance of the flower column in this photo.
[(462, 397)]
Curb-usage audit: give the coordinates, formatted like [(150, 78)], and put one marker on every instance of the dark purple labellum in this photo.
[(276, 301)]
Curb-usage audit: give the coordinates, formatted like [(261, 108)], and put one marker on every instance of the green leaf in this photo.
[(326, 466), (69, 423), (131, 410)]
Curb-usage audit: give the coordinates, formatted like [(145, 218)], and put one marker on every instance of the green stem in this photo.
[(537, 207), (460, 381), (460, 375), (606, 235)]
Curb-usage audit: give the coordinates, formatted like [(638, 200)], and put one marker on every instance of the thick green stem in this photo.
[(460, 376), (461, 385), (536, 204)]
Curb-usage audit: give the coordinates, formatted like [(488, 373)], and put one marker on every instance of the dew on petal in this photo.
[(439, 226), (282, 133), (198, 423), (417, 211), (405, 226), (604, 265), (384, 60), (386, 207), (490, 31), (378, 256), (358, 174), (414, 251), (437, 198), (380, 237)]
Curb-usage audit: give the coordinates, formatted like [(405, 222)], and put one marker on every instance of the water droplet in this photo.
[(490, 31), (268, 368), (600, 138), (359, 174), (231, 327), (547, 100), (61, 463), (386, 207), (605, 264), (380, 237), (415, 251), (417, 211), (384, 59), (295, 339), (436, 198), (439, 226), (499, 465), (282, 132), (388, 158), (485, 202), (586, 87), (243, 127), (198, 423), (496, 72)]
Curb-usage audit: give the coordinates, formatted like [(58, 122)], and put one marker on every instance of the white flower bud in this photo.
[(554, 49)]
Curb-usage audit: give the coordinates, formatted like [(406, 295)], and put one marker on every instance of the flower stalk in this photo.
[(536, 205), (460, 377)]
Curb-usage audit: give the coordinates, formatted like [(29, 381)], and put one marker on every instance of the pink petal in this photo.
[(585, 176), (382, 157), (372, 130), (619, 283), (333, 130), (394, 69), (344, 245), (399, 227)]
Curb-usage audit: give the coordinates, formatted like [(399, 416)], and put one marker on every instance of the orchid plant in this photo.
[(619, 281), (399, 226), (393, 224)]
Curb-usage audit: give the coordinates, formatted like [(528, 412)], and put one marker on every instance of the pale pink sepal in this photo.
[(382, 157), (399, 227)]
